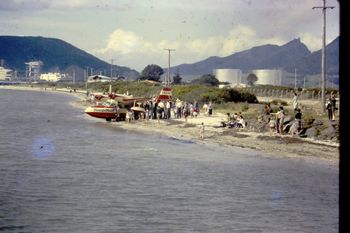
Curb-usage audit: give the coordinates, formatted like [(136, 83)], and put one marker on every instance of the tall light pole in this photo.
[(323, 59), (168, 79)]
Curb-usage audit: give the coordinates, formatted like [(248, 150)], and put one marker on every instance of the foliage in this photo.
[(206, 93), (207, 79), (251, 79), (279, 102), (177, 79), (151, 72), (244, 107)]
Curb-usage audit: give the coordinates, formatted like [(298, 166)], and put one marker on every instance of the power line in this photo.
[(323, 59)]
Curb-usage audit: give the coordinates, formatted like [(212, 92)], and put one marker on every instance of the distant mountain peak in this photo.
[(268, 56)]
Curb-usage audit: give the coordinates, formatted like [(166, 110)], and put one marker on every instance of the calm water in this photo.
[(62, 171)]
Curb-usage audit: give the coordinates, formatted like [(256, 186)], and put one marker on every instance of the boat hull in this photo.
[(103, 112), (138, 109)]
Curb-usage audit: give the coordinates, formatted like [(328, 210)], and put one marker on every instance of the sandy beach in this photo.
[(275, 145)]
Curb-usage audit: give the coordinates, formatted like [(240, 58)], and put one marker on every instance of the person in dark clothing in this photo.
[(329, 108), (334, 105), (154, 110)]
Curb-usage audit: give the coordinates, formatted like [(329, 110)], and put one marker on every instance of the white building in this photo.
[(52, 77), (5, 74)]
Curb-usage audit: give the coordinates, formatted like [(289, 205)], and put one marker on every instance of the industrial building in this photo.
[(33, 70), (52, 77), (232, 76), (5, 74)]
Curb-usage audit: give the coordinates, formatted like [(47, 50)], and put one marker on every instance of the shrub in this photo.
[(244, 107), (279, 102)]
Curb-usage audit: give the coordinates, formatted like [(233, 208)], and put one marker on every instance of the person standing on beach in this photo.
[(210, 108), (334, 105), (295, 102), (201, 130), (205, 108), (154, 110), (272, 126), (280, 120), (267, 115), (329, 108)]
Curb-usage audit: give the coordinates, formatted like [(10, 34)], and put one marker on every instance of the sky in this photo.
[(135, 33)]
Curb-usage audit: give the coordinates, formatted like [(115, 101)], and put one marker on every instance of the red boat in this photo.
[(105, 112), (110, 110)]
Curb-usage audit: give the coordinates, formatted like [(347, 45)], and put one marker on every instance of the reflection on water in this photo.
[(63, 172)]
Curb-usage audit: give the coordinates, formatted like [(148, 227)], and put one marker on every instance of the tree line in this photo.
[(154, 72)]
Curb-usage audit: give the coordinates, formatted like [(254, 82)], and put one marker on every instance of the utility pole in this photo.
[(295, 79), (112, 60), (168, 79), (323, 59), (87, 73)]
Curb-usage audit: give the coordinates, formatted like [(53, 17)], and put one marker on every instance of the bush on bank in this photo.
[(189, 93)]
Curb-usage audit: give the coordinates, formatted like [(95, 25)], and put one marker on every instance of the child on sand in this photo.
[(272, 126)]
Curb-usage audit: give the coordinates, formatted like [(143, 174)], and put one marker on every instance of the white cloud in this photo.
[(136, 52), (311, 41), (123, 42)]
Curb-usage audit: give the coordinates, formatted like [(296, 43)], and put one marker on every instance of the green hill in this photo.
[(57, 55)]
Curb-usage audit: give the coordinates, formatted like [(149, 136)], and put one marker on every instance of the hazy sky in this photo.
[(135, 32)]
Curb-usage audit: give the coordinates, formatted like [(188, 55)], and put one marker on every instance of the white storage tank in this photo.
[(229, 75), (268, 77)]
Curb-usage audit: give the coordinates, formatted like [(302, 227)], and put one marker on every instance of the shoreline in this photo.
[(284, 146)]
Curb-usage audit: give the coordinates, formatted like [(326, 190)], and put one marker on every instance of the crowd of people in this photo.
[(331, 106), (235, 120), (165, 109), (276, 122)]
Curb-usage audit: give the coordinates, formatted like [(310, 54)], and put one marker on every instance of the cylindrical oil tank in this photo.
[(229, 75), (268, 77)]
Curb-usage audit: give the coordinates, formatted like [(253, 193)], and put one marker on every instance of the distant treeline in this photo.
[(188, 92)]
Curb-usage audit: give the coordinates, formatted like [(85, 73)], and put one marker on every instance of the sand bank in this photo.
[(276, 145)]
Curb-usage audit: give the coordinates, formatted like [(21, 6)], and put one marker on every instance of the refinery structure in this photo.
[(33, 70), (236, 76), (33, 73), (268, 77), (232, 76)]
